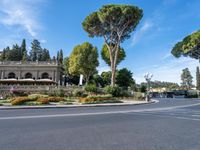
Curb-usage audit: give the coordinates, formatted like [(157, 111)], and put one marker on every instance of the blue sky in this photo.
[(57, 24)]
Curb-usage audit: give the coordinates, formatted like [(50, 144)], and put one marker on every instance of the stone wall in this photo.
[(53, 70)]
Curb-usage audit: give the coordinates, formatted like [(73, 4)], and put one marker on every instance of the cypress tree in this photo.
[(61, 56), (58, 56), (23, 49)]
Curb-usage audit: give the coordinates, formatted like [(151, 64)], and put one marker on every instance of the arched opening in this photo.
[(28, 75), (45, 76), (11, 75)]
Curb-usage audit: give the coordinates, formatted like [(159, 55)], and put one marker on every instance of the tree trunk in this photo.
[(113, 65), (113, 68), (87, 79)]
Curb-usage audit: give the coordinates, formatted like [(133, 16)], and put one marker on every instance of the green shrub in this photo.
[(115, 91), (55, 99), (125, 93), (60, 93), (97, 99), (20, 100), (57, 92), (36, 96), (138, 96), (78, 93), (5, 101), (91, 88), (192, 94), (32, 103), (107, 96)]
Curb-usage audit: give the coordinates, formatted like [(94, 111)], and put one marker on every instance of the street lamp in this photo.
[(148, 78)]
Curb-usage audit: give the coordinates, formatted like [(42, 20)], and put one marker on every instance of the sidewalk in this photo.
[(126, 103)]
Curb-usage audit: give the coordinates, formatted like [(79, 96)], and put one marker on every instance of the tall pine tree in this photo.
[(45, 55), (36, 50), (186, 79), (15, 53), (23, 50)]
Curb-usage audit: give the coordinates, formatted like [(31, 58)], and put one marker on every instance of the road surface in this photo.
[(171, 124)]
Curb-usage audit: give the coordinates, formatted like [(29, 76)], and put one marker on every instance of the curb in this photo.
[(73, 106)]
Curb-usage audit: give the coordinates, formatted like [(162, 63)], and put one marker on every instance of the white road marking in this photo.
[(97, 113), (169, 116)]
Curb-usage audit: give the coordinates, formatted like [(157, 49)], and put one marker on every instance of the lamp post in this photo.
[(148, 78)]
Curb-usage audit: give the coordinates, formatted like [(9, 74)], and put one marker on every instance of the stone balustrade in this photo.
[(28, 63)]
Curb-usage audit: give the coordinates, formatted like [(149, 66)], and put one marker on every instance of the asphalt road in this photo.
[(168, 125)]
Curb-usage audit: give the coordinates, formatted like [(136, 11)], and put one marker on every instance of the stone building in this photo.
[(30, 71)]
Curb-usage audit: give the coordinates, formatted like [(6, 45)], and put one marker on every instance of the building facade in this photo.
[(35, 71)]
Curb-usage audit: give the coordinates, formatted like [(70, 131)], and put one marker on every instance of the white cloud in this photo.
[(43, 41), (171, 71), (21, 13), (140, 33)]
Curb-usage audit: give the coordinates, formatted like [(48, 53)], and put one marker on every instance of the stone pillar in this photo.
[(54, 74), (3, 74), (20, 74), (37, 74)]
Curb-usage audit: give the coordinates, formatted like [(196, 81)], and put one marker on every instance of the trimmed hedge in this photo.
[(55, 99), (98, 99), (36, 96), (20, 100), (43, 100)]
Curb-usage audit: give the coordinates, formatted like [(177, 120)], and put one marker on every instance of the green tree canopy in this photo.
[(106, 56), (3, 55), (45, 55), (188, 46), (83, 60), (124, 78), (15, 53), (36, 50), (106, 76), (66, 65), (114, 23), (186, 79)]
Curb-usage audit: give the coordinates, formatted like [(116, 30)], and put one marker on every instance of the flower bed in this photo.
[(35, 100), (43, 100), (55, 99), (20, 100)]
